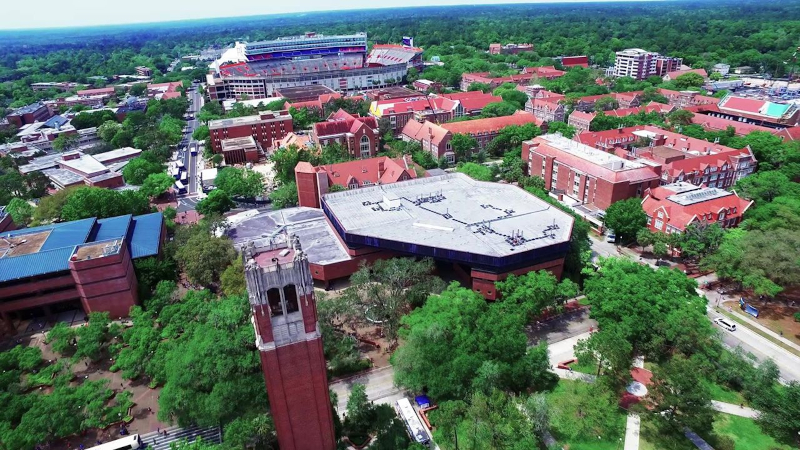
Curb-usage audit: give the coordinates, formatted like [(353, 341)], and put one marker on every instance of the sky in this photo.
[(76, 13)]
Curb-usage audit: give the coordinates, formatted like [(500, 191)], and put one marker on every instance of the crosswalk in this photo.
[(157, 441)]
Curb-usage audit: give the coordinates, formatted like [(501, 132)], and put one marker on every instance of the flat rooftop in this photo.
[(452, 212), (245, 120), (590, 154), (240, 143), (85, 164), (298, 93), (698, 196), (318, 239), (124, 152)]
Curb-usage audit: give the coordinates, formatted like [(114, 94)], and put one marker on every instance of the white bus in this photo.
[(414, 426), (180, 187), (126, 443)]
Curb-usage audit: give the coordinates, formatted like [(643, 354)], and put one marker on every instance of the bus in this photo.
[(180, 187), (413, 425), (128, 442)]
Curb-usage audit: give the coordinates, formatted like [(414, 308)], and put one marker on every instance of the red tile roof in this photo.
[(98, 91), (572, 61), (582, 115), (721, 124), (750, 105), (383, 170), (681, 216), (427, 130), (491, 125), (473, 101), (789, 134), (675, 74), (342, 122), (399, 106), (544, 72)]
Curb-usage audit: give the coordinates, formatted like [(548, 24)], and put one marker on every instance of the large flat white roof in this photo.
[(452, 212), (591, 154)]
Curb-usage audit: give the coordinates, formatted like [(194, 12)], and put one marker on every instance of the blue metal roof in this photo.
[(68, 234), (146, 237), (111, 228), (33, 264), (56, 122), (142, 233)]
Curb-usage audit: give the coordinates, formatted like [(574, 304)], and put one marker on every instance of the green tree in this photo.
[(609, 349), (232, 280), (483, 87), (60, 338), (680, 117), (463, 145), (689, 80), (657, 311), (240, 182), (764, 187), (498, 109), (700, 239), (85, 202), (50, 207), (65, 142), (201, 133), (138, 169), (783, 419), (285, 196), (645, 238), (535, 292), (454, 335), (156, 184), (682, 396), (204, 258), (151, 271), (92, 337), (21, 212), (626, 218), (107, 130), (217, 202), (476, 171), (387, 290), (568, 131), (606, 103)]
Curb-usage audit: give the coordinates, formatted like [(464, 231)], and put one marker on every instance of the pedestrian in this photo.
[(158, 430)]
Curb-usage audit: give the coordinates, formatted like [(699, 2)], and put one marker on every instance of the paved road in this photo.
[(761, 348), (157, 441), (192, 162), (379, 384)]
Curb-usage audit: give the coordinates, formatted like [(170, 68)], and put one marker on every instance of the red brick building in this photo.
[(289, 342), (314, 182), (545, 109), (6, 223), (358, 134), (264, 128), (483, 77), (586, 175), (582, 121), (509, 49), (546, 72), (673, 207), (85, 264), (484, 130), (682, 158), (240, 150), (623, 100), (432, 137), (401, 111), (471, 103), (575, 61), (35, 112)]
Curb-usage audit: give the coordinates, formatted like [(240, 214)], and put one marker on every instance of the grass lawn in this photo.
[(722, 393), (589, 368), (746, 433), (651, 438)]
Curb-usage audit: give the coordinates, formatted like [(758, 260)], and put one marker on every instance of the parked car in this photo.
[(725, 324)]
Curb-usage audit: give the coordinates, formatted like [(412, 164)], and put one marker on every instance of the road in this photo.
[(192, 163)]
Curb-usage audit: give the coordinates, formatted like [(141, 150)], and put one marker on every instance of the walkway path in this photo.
[(697, 440), (735, 410), (211, 434), (632, 428)]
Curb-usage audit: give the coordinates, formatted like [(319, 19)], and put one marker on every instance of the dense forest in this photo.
[(746, 32)]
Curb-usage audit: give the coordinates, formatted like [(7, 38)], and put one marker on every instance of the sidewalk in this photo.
[(754, 323), (735, 410), (632, 429)]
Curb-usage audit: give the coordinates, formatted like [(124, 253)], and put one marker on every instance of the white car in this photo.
[(725, 324)]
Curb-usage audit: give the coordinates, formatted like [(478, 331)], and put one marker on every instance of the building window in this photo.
[(364, 146), (659, 224), (290, 295), (274, 300)]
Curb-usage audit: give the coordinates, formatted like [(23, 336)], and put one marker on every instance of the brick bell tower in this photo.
[(281, 295)]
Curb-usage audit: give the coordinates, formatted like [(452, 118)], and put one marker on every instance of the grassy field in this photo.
[(723, 394), (746, 433), (589, 368)]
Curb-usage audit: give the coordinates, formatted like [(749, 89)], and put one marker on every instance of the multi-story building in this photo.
[(671, 75), (545, 109), (35, 112), (584, 174), (685, 99), (509, 49), (674, 207), (341, 63), (485, 78), (314, 181), (164, 91), (6, 223), (281, 293), (581, 121), (471, 103), (401, 111), (78, 169), (264, 128), (63, 86), (681, 158), (722, 69), (622, 99), (546, 72), (428, 86), (241, 150), (574, 61), (432, 137), (359, 135), (85, 264), (485, 130), (640, 64), (310, 97), (759, 112), (144, 71)]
